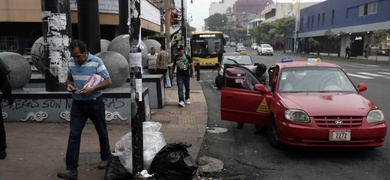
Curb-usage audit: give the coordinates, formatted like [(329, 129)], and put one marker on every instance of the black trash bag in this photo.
[(115, 170), (173, 162)]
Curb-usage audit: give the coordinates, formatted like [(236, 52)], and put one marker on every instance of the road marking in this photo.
[(385, 73), (360, 76), (371, 74), (372, 65)]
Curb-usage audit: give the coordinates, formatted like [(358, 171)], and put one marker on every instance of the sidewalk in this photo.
[(37, 150)]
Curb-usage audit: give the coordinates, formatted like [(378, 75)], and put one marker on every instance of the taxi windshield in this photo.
[(315, 79), (240, 60)]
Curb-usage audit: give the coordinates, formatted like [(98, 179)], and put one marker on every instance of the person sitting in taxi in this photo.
[(249, 82)]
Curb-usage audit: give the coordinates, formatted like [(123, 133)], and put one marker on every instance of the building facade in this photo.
[(353, 21), (221, 7), (21, 22)]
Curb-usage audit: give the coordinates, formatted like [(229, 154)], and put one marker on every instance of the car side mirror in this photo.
[(256, 64), (361, 87), (261, 88)]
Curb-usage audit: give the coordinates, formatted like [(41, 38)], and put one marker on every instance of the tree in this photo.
[(265, 32), (378, 37), (332, 37), (216, 21), (315, 44), (282, 26)]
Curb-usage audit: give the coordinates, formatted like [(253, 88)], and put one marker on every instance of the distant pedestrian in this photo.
[(163, 60), (87, 104), (347, 52), (151, 60), (185, 70), (7, 94)]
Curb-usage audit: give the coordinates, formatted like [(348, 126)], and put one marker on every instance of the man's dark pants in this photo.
[(3, 144), (180, 81), (80, 112)]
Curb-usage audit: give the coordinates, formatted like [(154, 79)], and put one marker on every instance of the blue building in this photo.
[(353, 21)]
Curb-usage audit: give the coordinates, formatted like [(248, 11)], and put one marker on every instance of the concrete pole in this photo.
[(89, 25), (183, 26), (167, 23), (135, 57), (296, 28), (57, 32), (123, 15)]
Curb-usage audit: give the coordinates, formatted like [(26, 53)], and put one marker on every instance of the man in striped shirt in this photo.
[(87, 103)]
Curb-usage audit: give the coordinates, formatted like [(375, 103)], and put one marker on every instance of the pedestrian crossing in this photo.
[(367, 75)]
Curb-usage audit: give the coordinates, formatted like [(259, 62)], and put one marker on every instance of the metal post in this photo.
[(296, 28), (57, 32), (198, 71), (123, 15), (136, 85), (89, 25), (183, 26), (167, 23)]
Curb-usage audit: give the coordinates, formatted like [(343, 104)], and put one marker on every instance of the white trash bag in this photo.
[(153, 141)]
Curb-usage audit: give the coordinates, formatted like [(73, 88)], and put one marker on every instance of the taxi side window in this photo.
[(273, 75)]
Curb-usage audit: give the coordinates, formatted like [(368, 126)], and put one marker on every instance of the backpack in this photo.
[(4, 69)]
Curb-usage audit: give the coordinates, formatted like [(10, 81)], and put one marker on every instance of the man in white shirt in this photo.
[(152, 60)]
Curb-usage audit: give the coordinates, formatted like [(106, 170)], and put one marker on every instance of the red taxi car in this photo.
[(233, 76), (309, 104)]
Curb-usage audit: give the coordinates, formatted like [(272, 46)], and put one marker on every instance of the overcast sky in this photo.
[(199, 10)]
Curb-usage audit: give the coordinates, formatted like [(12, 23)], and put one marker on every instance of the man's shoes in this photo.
[(240, 125), (67, 174), (181, 104), (102, 164), (188, 102), (3, 154)]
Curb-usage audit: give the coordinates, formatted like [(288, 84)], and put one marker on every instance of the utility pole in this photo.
[(123, 16), (89, 25), (57, 33), (167, 22), (296, 27), (135, 57), (183, 26)]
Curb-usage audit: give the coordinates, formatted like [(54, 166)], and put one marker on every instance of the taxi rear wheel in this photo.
[(218, 82), (273, 134)]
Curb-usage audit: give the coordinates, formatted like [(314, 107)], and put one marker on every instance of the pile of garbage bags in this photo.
[(164, 161)]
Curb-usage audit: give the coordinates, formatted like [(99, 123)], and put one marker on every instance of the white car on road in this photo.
[(265, 49), (254, 46)]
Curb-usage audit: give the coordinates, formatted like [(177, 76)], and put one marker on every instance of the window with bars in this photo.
[(8, 42)]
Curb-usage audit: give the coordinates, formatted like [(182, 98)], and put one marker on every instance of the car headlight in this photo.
[(296, 115), (375, 116)]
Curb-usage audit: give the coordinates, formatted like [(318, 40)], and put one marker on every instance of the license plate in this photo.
[(238, 80), (339, 135)]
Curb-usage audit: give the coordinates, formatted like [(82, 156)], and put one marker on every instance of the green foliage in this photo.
[(378, 36), (235, 33), (313, 42), (216, 22), (266, 31)]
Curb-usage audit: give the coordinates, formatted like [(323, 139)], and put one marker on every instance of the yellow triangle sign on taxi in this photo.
[(263, 107)]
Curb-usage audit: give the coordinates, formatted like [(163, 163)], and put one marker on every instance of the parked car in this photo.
[(254, 46), (233, 76), (232, 44), (265, 49), (308, 104)]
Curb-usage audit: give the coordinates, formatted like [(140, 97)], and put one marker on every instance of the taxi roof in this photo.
[(235, 53), (306, 64)]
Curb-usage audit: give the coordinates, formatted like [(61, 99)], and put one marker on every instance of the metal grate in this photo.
[(338, 121), (8, 42)]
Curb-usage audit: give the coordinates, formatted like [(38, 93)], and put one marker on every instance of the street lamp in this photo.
[(297, 14)]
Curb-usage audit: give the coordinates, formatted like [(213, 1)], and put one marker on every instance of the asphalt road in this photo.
[(249, 156)]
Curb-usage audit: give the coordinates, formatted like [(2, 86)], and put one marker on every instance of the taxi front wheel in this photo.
[(273, 134)]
